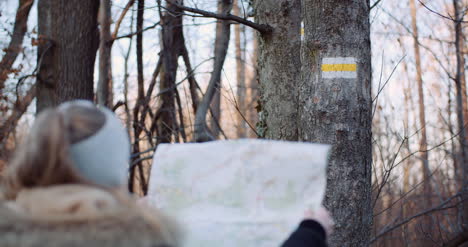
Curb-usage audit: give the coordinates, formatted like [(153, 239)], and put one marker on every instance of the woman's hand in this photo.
[(322, 216)]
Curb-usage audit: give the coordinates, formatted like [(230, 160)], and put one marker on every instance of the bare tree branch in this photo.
[(181, 116), (441, 15), (149, 92), (21, 105), (122, 15), (16, 42), (221, 45), (191, 78), (423, 213), (264, 29), (135, 33), (375, 4)]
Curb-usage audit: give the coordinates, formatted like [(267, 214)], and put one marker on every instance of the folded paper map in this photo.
[(238, 192)]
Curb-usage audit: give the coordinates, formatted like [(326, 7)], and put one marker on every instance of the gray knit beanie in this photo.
[(102, 158)]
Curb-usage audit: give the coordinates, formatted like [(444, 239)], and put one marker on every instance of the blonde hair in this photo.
[(43, 158)]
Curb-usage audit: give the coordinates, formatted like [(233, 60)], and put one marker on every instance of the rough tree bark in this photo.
[(221, 46), (104, 87), (16, 42), (66, 69), (278, 67), (424, 155), (172, 48), (335, 107)]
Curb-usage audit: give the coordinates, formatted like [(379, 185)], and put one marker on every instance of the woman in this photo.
[(66, 186)]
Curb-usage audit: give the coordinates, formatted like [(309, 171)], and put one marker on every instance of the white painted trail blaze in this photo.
[(339, 67)]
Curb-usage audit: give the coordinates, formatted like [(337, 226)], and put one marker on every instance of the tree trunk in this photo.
[(279, 68), (240, 76), (459, 80), (408, 100), (172, 48), (16, 43), (104, 87), (193, 85), (137, 123), (335, 107), (461, 51), (223, 33), (216, 112), (67, 50), (422, 116)]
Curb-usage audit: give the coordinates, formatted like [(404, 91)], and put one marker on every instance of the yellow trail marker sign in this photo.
[(339, 67)]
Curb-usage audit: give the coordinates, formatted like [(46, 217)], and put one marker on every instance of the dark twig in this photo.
[(121, 17), (375, 4), (441, 15), (135, 33), (264, 29)]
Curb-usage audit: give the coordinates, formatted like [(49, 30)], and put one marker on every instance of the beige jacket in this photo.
[(78, 215)]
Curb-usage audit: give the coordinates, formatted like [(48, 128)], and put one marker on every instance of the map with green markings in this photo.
[(238, 192)]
